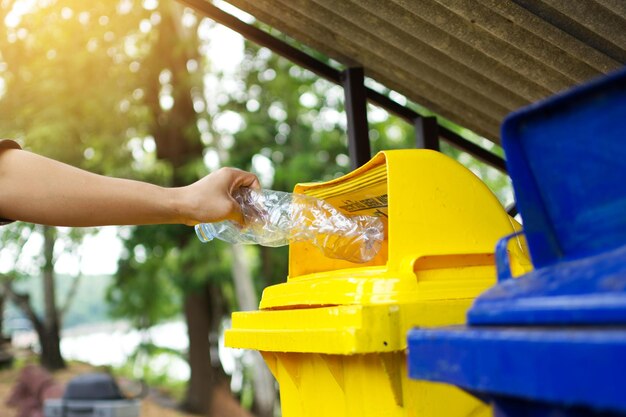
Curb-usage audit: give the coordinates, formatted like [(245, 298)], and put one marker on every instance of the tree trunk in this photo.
[(216, 314), (2, 298), (266, 264), (50, 341), (201, 382), (262, 379), (244, 286), (3, 340), (48, 328), (178, 142), (50, 338)]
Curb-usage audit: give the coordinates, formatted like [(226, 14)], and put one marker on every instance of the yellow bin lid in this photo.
[(441, 227)]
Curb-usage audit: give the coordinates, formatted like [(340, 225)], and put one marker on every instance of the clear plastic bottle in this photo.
[(233, 233), (275, 218)]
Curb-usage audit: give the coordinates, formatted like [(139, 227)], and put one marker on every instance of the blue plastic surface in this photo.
[(569, 367), (590, 290), (503, 263), (567, 159)]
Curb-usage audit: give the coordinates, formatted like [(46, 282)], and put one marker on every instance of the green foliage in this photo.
[(292, 132), (70, 90), (142, 289), (138, 366), (147, 287), (25, 273), (66, 78), (162, 263), (291, 118)]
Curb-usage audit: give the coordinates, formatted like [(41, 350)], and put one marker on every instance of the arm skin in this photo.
[(40, 190)]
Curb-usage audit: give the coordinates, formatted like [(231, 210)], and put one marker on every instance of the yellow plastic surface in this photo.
[(442, 225), (318, 385), (342, 330), (334, 334)]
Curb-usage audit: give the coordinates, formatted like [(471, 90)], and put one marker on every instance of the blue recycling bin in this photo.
[(552, 342)]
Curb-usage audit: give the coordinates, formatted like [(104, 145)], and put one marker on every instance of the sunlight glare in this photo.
[(150, 4), (20, 8)]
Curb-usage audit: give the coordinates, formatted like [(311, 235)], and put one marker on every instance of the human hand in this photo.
[(210, 199)]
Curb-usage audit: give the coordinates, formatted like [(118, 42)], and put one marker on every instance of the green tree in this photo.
[(293, 131), (172, 91), (89, 84), (60, 91)]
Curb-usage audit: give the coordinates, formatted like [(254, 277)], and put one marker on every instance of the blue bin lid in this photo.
[(567, 160)]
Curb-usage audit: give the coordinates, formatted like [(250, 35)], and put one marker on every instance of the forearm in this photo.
[(40, 190)]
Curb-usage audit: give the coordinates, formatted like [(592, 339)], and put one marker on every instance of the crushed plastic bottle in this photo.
[(276, 218)]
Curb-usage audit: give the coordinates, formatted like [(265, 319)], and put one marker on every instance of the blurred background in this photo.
[(149, 90)]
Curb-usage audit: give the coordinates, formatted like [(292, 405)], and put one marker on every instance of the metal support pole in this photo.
[(427, 133), (356, 111)]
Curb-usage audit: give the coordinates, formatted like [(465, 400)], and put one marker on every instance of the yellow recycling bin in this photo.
[(334, 335)]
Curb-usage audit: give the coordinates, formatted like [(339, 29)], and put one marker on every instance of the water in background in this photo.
[(113, 343)]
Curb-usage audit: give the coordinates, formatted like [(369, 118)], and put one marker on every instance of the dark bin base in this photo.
[(510, 407)]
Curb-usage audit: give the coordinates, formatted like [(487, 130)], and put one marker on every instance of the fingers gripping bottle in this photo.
[(275, 218)]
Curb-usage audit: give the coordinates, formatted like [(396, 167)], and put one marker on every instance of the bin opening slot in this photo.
[(361, 192)]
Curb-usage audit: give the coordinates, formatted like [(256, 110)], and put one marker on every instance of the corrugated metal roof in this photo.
[(472, 61)]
